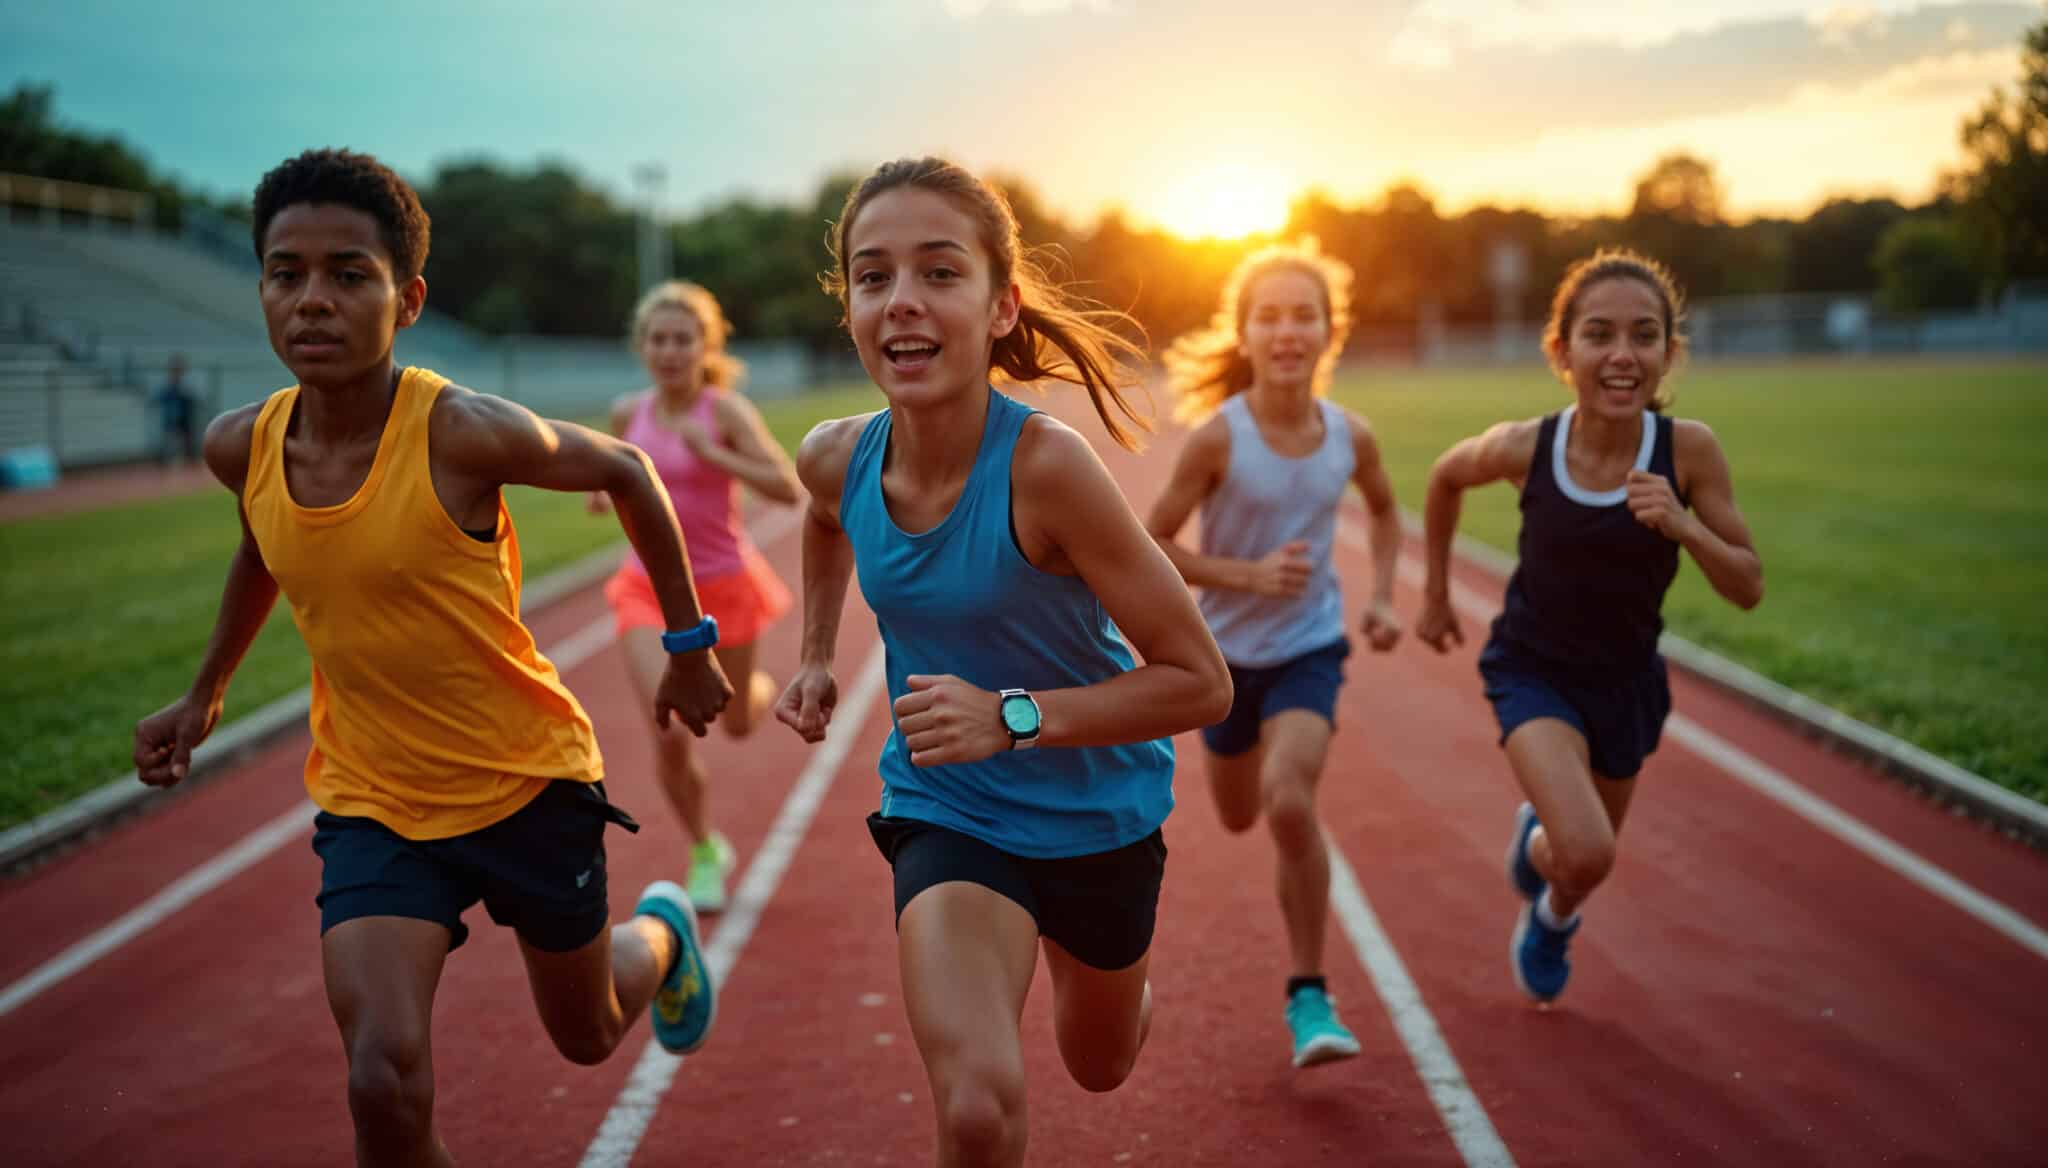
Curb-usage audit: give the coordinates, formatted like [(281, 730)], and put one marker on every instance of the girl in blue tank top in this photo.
[(1268, 466), (1610, 490), (1028, 771)]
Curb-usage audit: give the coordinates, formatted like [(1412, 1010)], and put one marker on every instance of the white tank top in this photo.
[(1266, 500)]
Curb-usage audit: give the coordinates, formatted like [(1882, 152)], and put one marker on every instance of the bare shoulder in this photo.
[(734, 411), (1362, 435), (1512, 441), (227, 442), (1051, 457), (461, 409), (1692, 437), (624, 406), (822, 456), (1209, 443)]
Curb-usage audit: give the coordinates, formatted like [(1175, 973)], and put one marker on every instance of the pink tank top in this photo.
[(706, 499)]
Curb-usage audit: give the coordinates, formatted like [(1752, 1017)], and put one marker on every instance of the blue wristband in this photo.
[(704, 636)]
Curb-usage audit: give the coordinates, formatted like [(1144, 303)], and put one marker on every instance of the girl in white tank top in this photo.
[(1268, 468)]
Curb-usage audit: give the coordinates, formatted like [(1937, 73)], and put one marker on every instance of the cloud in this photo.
[(965, 9), (1437, 33), (1844, 24), (1889, 134), (1529, 89)]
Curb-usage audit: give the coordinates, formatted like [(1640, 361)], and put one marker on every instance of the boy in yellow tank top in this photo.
[(449, 763)]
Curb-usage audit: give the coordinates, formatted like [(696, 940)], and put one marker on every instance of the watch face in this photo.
[(1020, 715)]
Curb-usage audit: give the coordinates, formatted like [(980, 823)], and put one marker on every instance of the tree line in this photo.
[(541, 249)]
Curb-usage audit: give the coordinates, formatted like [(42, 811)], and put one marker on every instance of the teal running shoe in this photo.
[(1318, 1036), (687, 1002)]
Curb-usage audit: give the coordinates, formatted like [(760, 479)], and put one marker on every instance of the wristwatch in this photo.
[(703, 636), (1020, 717)]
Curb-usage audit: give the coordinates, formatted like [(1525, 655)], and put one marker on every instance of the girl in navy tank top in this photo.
[(1027, 774), (1610, 490), (1268, 466)]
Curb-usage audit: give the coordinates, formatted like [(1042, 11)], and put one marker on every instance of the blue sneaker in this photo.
[(1318, 1036), (687, 1002), (1522, 873), (1537, 955)]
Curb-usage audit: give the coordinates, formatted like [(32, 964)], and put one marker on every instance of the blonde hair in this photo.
[(1059, 336), (1616, 263), (1206, 367), (720, 367)]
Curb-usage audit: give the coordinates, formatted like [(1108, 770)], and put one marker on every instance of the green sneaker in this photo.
[(1318, 1036), (710, 863)]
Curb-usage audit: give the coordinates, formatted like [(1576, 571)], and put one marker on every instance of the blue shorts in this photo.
[(1309, 682), (1621, 716), (539, 871)]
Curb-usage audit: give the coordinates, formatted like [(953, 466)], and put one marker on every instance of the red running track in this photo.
[(1748, 989)]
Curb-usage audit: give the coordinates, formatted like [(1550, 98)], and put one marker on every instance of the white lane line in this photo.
[(1463, 1115), (618, 1137), (188, 888), (567, 654), (1773, 784)]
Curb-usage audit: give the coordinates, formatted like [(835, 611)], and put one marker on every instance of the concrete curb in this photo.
[(28, 843), (1945, 782)]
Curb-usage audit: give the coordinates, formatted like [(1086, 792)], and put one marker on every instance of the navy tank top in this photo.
[(961, 598), (1589, 589)]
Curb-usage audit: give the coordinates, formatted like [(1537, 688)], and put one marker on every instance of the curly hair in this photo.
[(349, 179), (1616, 263), (1059, 335), (1208, 366)]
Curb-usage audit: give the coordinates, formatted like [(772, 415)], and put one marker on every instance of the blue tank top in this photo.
[(1588, 591), (1264, 501), (962, 599)]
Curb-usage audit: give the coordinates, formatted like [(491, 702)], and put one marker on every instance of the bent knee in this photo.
[(390, 1081), (982, 1110), (1291, 815), (1237, 819), (1582, 866), (1102, 1074), (585, 1051)]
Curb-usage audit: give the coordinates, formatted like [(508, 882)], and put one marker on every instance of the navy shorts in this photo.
[(1309, 682), (539, 871), (1100, 907), (1621, 716)]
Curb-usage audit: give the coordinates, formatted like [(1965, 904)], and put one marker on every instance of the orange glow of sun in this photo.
[(1224, 201)]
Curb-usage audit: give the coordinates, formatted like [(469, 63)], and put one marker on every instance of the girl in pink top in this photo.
[(705, 440)]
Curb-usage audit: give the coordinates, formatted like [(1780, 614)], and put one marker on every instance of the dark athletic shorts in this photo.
[(1621, 715), (539, 871), (1099, 907), (1308, 682)]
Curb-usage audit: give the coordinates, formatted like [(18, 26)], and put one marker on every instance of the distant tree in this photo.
[(1834, 249), (2003, 189), (1924, 264), (536, 250), (33, 143), (1679, 187)]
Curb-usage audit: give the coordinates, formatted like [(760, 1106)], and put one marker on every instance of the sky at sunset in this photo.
[(1201, 115)]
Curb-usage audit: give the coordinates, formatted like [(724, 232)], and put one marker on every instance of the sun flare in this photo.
[(1226, 201)]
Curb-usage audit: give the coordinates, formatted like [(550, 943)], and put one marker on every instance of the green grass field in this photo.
[(1901, 511), (104, 615)]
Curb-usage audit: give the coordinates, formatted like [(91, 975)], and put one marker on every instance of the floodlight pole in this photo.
[(651, 177)]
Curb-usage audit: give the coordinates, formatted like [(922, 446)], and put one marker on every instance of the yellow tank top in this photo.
[(433, 712)]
